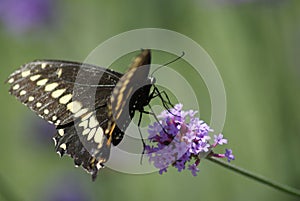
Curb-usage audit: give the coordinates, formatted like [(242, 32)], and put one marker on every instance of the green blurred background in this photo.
[(255, 45)]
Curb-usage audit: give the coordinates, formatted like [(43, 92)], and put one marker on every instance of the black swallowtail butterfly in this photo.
[(89, 118)]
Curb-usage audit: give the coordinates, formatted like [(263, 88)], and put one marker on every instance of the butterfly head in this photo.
[(151, 80)]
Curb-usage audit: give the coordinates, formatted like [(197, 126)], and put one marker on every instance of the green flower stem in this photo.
[(6, 192), (259, 178)]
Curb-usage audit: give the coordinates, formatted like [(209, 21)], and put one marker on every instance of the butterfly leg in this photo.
[(157, 93), (155, 117)]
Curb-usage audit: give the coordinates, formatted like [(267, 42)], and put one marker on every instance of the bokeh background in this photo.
[(255, 45)]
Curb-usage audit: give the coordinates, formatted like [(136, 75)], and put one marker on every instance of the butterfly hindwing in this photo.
[(67, 142)]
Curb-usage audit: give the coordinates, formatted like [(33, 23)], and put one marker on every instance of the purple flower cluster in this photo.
[(180, 139)]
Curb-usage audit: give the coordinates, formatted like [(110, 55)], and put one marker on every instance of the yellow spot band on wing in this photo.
[(110, 134)]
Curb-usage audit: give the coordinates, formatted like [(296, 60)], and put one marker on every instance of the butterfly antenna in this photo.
[(168, 63)]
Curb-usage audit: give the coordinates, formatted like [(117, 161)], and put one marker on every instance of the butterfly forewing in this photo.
[(123, 99), (55, 92)]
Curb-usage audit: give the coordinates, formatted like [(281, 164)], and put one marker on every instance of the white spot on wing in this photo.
[(42, 82), (81, 112), (86, 116), (46, 111), (38, 104), (57, 93), (84, 124), (65, 99), (55, 143), (59, 72), (43, 65), (11, 80), (86, 131), (91, 134), (50, 87), (17, 86), (74, 106), (25, 73), (34, 77), (30, 98), (54, 118), (22, 93), (93, 122), (99, 135), (63, 146), (99, 165), (61, 132)]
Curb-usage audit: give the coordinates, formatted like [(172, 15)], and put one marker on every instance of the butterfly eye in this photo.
[(152, 80)]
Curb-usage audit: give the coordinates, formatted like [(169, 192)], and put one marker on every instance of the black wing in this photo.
[(126, 97), (60, 91), (73, 96)]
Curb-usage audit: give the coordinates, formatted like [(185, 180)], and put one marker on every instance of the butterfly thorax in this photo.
[(141, 97)]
